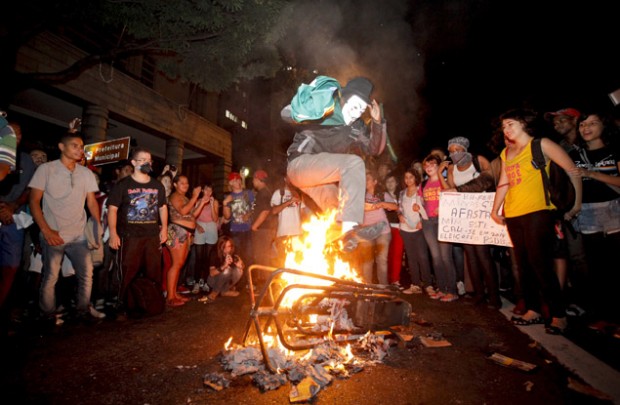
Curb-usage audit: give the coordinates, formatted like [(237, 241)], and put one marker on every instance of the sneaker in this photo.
[(397, 284), (182, 290), (196, 288), (430, 290), (437, 295), (96, 314), (460, 286), (100, 303), (413, 289), (351, 238), (449, 298), (575, 310)]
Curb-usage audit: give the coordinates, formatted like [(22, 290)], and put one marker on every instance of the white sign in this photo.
[(466, 218)]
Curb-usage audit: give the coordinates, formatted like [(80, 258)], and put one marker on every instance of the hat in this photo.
[(261, 175), (459, 140), (570, 112), (359, 86), (234, 176)]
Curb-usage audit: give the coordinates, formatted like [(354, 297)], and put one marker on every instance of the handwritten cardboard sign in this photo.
[(466, 218)]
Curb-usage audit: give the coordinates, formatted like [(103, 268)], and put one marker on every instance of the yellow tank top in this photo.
[(525, 192)]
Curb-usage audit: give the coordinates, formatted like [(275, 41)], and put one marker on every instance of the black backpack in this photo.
[(145, 297), (558, 188)]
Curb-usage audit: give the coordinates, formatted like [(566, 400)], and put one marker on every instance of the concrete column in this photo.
[(174, 153), (221, 169), (94, 124)]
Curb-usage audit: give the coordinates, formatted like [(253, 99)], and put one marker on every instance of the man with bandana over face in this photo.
[(324, 159), (138, 224)]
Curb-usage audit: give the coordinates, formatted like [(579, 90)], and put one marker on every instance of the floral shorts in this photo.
[(178, 234)]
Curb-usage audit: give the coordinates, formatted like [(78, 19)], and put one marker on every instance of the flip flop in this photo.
[(517, 320)]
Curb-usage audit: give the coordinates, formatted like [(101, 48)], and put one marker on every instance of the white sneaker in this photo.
[(430, 290), (96, 314), (460, 286), (196, 288), (413, 289)]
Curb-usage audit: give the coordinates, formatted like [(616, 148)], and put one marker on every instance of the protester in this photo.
[(138, 221), (14, 194), (320, 159), (441, 252), (225, 270), (183, 212), (287, 205), (264, 223), (64, 187), (465, 168), (238, 209), (598, 163), (374, 253), (205, 238), (8, 147), (411, 212), (570, 262), (395, 252), (530, 219)]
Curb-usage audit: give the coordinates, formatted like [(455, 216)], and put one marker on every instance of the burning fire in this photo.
[(313, 253)]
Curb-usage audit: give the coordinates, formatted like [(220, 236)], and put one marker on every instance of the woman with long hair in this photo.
[(598, 163), (225, 270), (411, 212), (205, 238), (530, 219), (181, 227), (441, 252)]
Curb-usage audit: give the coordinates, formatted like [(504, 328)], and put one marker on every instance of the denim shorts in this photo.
[(598, 217)]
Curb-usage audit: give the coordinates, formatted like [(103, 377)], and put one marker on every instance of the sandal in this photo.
[(517, 320), (529, 318), (557, 327)]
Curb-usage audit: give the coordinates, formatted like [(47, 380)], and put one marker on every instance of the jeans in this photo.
[(441, 254), (11, 245), (77, 251), (375, 251), (417, 257), (332, 180), (225, 280)]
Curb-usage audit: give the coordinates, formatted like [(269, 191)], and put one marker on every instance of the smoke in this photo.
[(374, 39)]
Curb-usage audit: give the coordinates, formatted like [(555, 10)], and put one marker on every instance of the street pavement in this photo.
[(163, 360)]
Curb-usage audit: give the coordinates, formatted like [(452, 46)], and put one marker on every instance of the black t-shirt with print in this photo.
[(138, 206)]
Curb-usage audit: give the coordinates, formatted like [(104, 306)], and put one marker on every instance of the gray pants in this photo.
[(332, 180)]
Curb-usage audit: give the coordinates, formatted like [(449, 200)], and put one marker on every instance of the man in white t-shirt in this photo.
[(288, 206)]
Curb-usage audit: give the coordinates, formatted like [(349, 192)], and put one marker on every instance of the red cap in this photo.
[(570, 112), (261, 175), (234, 176)]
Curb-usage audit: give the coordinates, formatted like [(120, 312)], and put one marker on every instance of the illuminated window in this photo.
[(231, 116)]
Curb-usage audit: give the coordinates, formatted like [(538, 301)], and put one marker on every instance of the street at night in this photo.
[(163, 360)]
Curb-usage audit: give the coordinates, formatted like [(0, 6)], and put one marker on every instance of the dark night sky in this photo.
[(445, 67)]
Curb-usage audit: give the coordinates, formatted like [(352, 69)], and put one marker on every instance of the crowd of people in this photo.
[(58, 222)]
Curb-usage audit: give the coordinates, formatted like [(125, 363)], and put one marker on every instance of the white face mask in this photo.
[(353, 108)]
